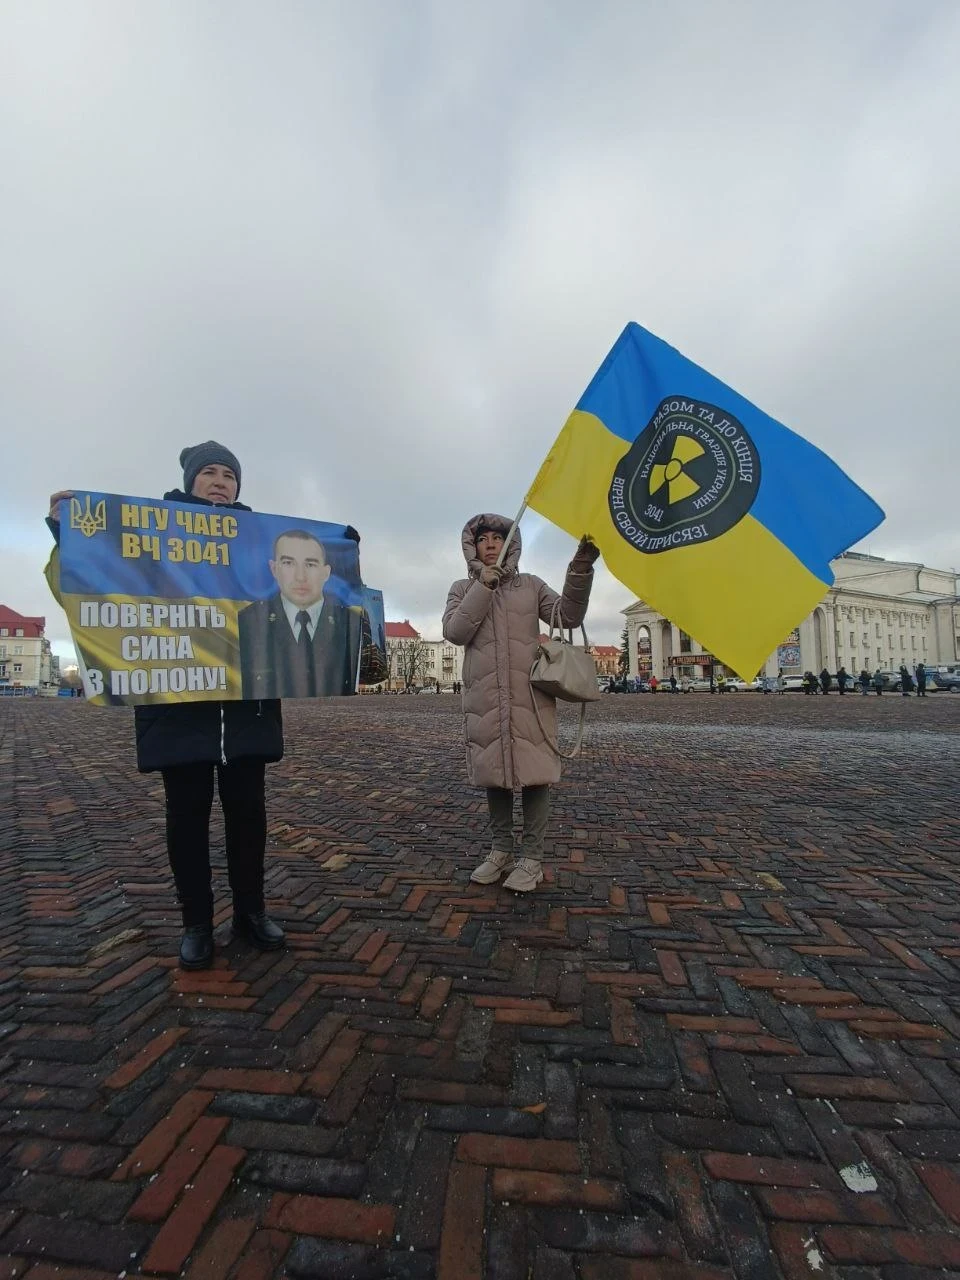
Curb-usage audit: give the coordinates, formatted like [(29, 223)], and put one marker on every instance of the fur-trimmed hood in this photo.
[(468, 541)]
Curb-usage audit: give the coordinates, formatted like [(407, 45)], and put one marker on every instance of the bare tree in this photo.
[(408, 662)]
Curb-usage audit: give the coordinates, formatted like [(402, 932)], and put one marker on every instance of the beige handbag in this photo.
[(565, 671)]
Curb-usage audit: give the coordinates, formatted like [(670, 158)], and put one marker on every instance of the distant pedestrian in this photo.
[(921, 680), (842, 679), (721, 684), (878, 682), (906, 681), (810, 685), (673, 683), (654, 682), (781, 682), (864, 681), (824, 681)]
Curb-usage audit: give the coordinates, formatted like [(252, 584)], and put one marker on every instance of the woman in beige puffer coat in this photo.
[(495, 613)]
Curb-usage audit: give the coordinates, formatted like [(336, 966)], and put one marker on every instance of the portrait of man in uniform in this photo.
[(299, 643)]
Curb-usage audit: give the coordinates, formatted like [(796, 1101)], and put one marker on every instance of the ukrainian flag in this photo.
[(715, 514)]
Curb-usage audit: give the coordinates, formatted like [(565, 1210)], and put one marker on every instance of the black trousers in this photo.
[(189, 800)]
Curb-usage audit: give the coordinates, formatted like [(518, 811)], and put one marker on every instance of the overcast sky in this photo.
[(379, 249)]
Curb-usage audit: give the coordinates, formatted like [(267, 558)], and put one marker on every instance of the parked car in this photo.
[(944, 680), (793, 684), (891, 681)]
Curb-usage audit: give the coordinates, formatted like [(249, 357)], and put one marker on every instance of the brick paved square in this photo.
[(722, 1039)]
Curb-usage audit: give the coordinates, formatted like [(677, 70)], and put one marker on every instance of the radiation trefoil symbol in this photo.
[(679, 484)]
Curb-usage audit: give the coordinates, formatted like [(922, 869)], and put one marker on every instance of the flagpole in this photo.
[(509, 537)]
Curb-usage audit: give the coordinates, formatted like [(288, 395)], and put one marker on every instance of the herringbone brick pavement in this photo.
[(722, 1039)]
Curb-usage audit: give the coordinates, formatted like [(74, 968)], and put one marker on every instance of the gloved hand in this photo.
[(587, 550), (351, 533), (490, 576)]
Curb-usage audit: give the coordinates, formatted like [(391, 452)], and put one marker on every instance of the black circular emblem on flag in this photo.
[(691, 474)]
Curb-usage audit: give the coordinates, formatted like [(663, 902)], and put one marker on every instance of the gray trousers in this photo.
[(536, 815)]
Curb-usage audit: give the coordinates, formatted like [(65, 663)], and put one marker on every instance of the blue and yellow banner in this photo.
[(178, 602), (715, 514), (374, 668)]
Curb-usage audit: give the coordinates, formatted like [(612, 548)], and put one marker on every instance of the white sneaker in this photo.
[(493, 867), (526, 875)]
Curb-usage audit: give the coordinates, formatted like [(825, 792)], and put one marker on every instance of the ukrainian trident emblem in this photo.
[(86, 520)]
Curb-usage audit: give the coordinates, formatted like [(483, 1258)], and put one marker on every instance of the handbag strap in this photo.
[(564, 755), (556, 621)]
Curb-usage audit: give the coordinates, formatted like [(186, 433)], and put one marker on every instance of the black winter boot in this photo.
[(257, 928), (196, 947)]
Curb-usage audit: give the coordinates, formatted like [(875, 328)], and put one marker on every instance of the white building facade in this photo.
[(878, 614), (27, 664), (443, 661)]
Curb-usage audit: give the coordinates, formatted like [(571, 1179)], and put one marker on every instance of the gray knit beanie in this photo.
[(197, 456)]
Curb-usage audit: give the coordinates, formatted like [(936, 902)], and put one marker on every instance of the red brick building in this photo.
[(26, 663), (607, 658)]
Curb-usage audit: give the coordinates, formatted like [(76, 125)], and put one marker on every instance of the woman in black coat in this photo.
[(193, 743)]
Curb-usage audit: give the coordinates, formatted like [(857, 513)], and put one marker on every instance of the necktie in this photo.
[(307, 682)]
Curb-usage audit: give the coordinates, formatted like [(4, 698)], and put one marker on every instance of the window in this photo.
[(877, 625), (4, 631), (865, 638), (17, 650), (903, 643), (879, 657), (17, 668), (3, 650), (913, 642), (889, 641), (853, 640), (19, 631)]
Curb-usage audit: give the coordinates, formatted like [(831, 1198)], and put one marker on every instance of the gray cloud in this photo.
[(380, 250)]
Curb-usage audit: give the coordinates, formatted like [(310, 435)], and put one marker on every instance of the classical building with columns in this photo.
[(878, 613)]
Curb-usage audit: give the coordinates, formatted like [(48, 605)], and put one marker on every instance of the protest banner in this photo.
[(788, 652), (174, 602), (374, 667)]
